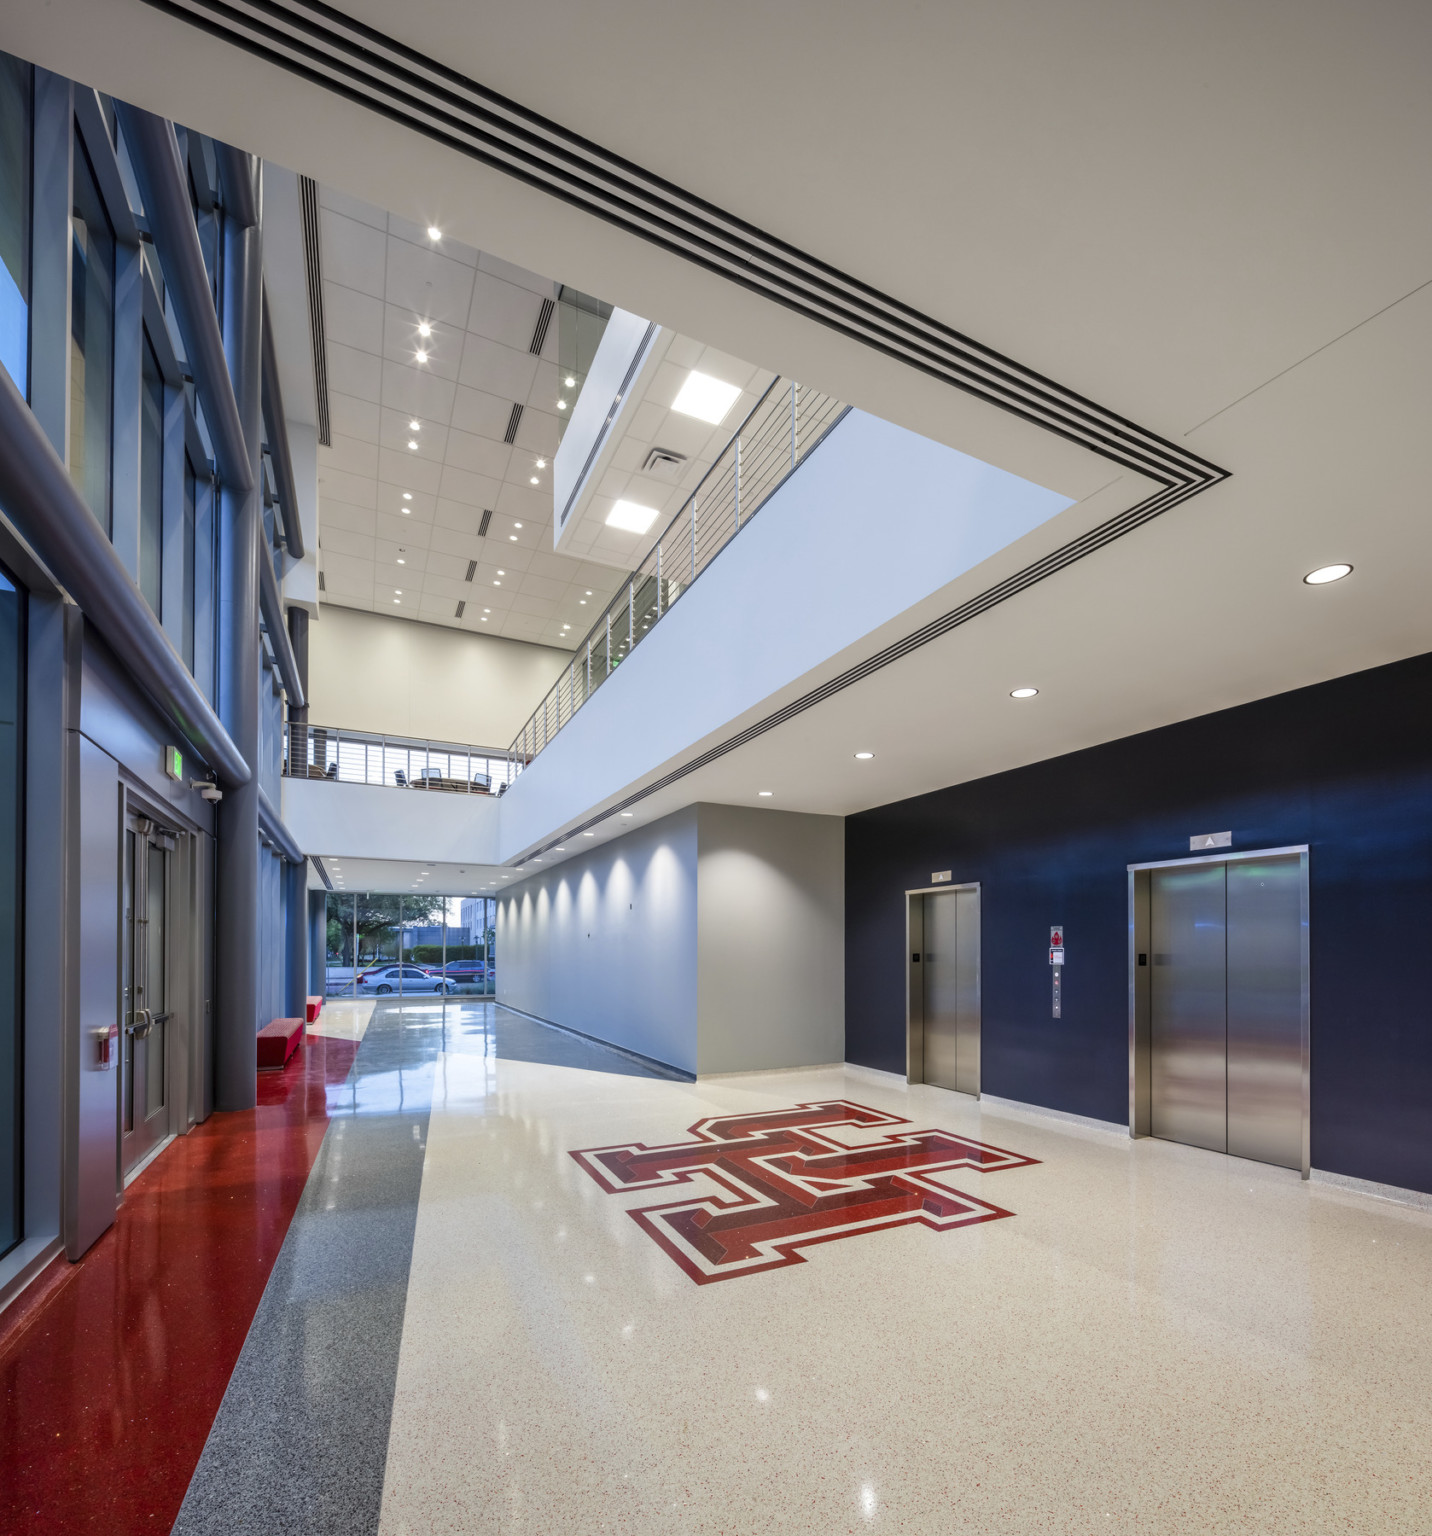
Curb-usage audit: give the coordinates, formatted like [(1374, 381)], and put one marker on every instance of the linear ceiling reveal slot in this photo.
[(486, 519), (322, 873), (544, 319), (313, 261), (461, 606), (471, 570), (513, 422)]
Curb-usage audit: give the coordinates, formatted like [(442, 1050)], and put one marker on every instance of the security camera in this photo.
[(208, 789)]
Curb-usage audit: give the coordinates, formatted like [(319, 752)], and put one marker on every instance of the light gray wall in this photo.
[(606, 942), (712, 940), (770, 939), (369, 672)]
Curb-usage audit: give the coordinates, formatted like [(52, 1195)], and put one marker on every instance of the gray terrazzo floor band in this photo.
[(300, 1440)]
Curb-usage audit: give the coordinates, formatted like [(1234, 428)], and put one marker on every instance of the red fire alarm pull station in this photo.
[(1056, 938), (1056, 959)]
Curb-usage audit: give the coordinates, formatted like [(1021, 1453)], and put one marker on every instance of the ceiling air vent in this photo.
[(663, 463), (461, 606), (544, 319), (322, 585), (513, 422), (471, 570), (486, 519)]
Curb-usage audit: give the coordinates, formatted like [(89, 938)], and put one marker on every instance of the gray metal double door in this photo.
[(1226, 1006)]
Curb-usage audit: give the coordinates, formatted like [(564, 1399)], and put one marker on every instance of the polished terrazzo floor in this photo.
[(468, 1330)]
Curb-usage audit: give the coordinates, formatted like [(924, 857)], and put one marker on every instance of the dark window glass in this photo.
[(12, 705), (191, 486), (151, 480), (91, 342), (15, 159)]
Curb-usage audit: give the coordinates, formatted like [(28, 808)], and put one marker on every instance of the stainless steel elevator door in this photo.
[(1188, 1028), (951, 983), (1265, 1010)]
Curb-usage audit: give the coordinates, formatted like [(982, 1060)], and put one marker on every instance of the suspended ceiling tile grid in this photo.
[(401, 524), (652, 424)]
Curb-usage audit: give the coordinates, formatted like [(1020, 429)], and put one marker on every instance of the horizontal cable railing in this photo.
[(403, 762), (786, 425)]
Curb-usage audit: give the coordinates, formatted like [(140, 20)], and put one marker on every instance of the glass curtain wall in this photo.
[(12, 705), (151, 478), (91, 341), (16, 115), (381, 943)]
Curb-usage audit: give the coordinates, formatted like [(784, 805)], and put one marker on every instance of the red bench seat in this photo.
[(278, 1040), (315, 1007)]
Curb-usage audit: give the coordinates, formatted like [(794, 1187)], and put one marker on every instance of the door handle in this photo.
[(140, 1031)]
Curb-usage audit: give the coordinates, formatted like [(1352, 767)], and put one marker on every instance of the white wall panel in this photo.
[(376, 821), (606, 942), (369, 672), (771, 939), (712, 940), (874, 522)]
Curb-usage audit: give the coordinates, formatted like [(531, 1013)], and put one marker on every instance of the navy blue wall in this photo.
[(1345, 767)]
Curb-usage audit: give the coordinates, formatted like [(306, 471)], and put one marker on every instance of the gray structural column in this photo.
[(318, 942), (241, 528), (296, 904)]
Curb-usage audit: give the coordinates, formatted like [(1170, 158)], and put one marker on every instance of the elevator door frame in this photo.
[(915, 983), (1140, 1052)]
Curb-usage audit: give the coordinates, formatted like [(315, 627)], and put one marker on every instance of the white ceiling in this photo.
[(433, 878), (409, 557), (648, 422), (1209, 218)]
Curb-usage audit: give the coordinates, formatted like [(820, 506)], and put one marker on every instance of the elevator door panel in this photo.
[(951, 981), (1188, 1034), (1265, 1010)]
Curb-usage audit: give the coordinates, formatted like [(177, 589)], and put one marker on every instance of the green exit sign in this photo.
[(174, 763)]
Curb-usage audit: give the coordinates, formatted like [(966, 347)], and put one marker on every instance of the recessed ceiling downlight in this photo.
[(1326, 573), (1022, 693), (864, 757)]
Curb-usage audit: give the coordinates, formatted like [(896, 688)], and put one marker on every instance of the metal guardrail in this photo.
[(786, 425), (403, 762)]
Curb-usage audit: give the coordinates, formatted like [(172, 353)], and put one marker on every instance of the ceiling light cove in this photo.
[(1023, 693), (631, 517), (1326, 573), (705, 398)]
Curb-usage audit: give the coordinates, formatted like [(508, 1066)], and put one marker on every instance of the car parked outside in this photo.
[(386, 979), (464, 970)]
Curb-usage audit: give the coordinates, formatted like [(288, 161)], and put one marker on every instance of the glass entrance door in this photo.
[(144, 1082)]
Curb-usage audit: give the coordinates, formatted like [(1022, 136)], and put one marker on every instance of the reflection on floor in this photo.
[(1161, 1340), (111, 1370), (344, 1018), (301, 1436), (469, 1326)]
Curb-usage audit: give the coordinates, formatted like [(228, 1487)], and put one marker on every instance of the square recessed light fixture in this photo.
[(631, 517), (705, 398)]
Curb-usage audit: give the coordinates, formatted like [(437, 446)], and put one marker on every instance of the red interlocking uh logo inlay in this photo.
[(786, 1179)]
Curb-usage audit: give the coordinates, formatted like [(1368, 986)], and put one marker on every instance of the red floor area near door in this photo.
[(111, 1375)]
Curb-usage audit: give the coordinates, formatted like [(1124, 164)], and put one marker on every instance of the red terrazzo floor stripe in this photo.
[(110, 1377)]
